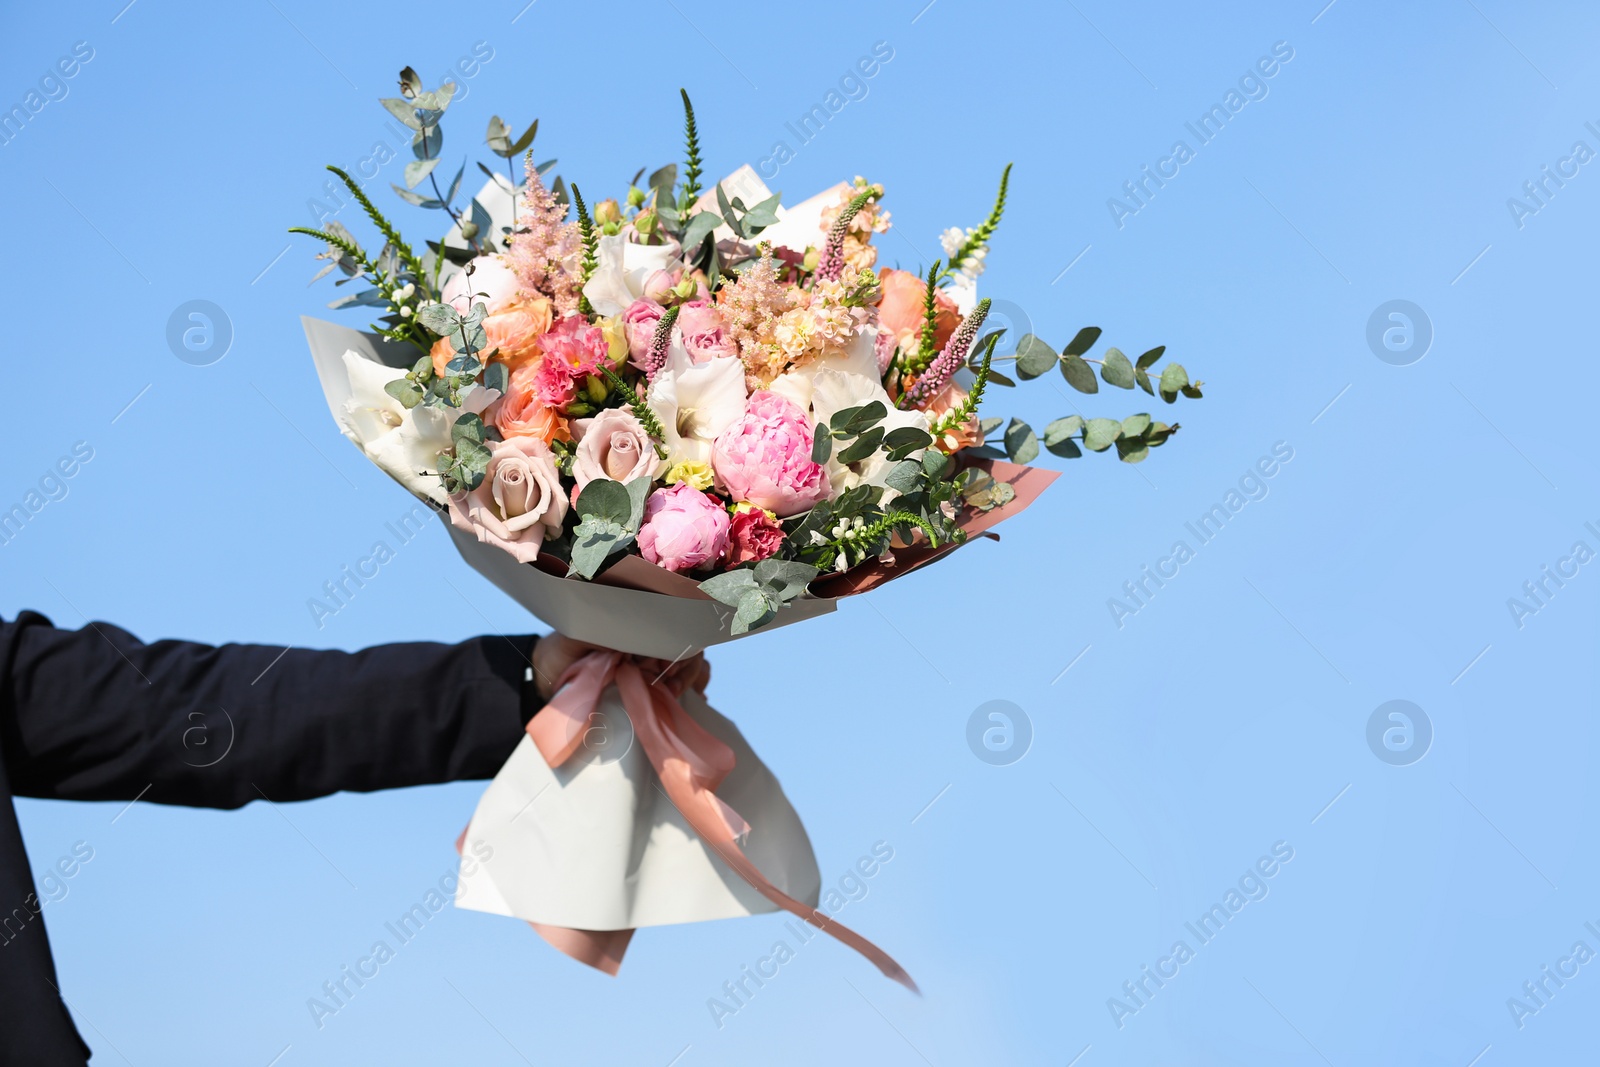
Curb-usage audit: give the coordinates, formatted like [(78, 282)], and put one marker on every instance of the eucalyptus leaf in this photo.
[(1098, 434), (605, 499), (821, 446), (1173, 379), (698, 229), (729, 587), (593, 541), (415, 198), (402, 110), (1150, 357), (755, 609), (468, 427), (409, 393), (1082, 342), (419, 169), (784, 580), (1116, 370), (472, 455), (1132, 449), (1134, 425), (905, 476), (1079, 374), (1062, 429), (1021, 444), (864, 446), (1034, 357)]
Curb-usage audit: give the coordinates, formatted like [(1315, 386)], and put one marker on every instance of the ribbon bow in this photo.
[(691, 764)]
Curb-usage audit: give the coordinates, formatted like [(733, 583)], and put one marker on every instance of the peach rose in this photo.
[(611, 445), (900, 308), (521, 414), (514, 331), (967, 435), (519, 502)]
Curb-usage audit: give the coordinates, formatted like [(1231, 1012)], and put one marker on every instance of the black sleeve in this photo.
[(96, 714)]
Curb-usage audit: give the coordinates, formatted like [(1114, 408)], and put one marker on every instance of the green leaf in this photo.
[(1062, 429), (593, 541), (1134, 425), (662, 181), (864, 446), (698, 229), (1158, 433), (905, 439), (1067, 448), (1034, 357), (988, 426), (468, 427), (729, 587), (755, 609), (638, 496), (1132, 449), (1021, 444), (1098, 434), (472, 455), (496, 377), (419, 169), (1150, 356), (605, 499), (784, 580), (1116, 370), (1173, 379), (414, 198), (1082, 342), (1144, 381), (821, 445), (1079, 374), (934, 463), (905, 477), (864, 418), (402, 110), (440, 318), (1192, 391), (762, 215), (408, 392)]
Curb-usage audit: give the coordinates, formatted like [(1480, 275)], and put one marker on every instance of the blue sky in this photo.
[(1171, 748)]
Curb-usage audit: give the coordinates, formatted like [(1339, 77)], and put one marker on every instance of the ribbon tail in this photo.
[(600, 949), (707, 814)]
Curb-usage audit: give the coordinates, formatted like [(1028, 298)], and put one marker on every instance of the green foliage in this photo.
[(926, 349), (979, 238), (756, 593), (587, 235), (691, 151), (610, 514)]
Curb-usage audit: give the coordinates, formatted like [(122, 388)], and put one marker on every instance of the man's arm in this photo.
[(95, 714)]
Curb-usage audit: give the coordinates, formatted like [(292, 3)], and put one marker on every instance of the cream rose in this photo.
[(611, 445), (519, 502)]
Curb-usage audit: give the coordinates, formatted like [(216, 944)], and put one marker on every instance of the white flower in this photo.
[(405, 444), (695, 402), (621, 270), (952, 239)]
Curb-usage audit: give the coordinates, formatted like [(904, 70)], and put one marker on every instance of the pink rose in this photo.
[(753, 535), (490, 277), (701, 325), (639, 323), (518, 503), (765, 458), (683, 528), (611, 445), (658, 287)]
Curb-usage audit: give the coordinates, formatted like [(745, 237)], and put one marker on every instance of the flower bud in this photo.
[(469, 229), (607, 211), (811, 260), (595, 388), (635, 196)]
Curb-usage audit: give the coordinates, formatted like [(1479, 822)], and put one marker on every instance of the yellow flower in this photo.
[(616, 337), (696, 473)]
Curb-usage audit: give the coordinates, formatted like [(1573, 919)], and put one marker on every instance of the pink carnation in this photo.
[(553, 384), (576, 345), (765, 458), (683, 528), (753, 535)]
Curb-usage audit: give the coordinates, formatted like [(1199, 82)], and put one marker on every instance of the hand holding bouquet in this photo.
[(718, 412)]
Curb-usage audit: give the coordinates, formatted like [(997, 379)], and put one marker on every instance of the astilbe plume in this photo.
[(949, 360), (545, 249), (751, 307)]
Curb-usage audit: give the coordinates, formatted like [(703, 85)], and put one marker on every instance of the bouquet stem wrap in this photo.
[(690, 763)]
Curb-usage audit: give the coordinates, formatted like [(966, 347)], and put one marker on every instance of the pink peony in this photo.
[(576, 346), (639, 323), (753, 535), (683, 528), (765, 458), (518, 503)]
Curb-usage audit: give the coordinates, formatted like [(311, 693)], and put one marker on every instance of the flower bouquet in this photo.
[(677, 418)]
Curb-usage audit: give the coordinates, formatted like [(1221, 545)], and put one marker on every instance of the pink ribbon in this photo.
[(691, 764)]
